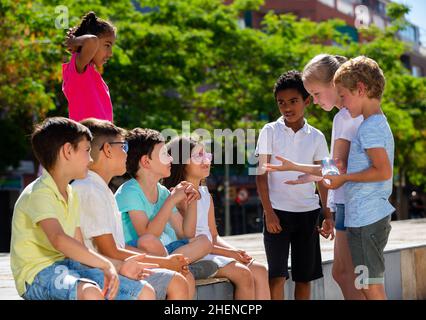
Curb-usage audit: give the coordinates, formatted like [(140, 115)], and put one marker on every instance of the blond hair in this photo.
[(321, 68), (365, 70)]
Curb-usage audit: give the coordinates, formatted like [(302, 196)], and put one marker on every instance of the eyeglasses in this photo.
[(124, 145), (206, 156)]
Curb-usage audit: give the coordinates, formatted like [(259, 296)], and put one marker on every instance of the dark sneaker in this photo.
[(203, 269)]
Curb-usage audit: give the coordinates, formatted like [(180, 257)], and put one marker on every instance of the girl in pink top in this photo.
[(91, 45)]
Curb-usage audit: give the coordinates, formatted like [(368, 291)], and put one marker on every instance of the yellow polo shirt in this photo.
[(31, 250)]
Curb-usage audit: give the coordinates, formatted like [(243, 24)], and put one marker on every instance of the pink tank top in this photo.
[(87, 93)]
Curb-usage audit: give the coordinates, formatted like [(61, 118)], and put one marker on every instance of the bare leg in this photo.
[(152, 245), (343, 269), (88, 291), (277, 288), (147, 293), (302, 291), (241, 278), (375, 292), (178, 288), (197, 248), (260, 275), (191, 285)]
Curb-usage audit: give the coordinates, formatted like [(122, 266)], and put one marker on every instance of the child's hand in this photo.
[(185, 192), (135, 270), (137, 257), (241, 256), (341, 165), (272, 223), (286, 165), (178, 263), (111, 282), (327, 228), (178, 193), (335, 182), (71, 43), (191, 193), (304, 178)]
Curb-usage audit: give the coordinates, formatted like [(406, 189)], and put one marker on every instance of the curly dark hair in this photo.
[(290, 80), (91, 24), (141, 143)]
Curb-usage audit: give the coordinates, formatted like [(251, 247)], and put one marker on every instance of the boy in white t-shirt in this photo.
[(291, 212), (101, 220)]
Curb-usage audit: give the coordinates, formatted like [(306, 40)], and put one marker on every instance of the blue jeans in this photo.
[(60, 280), (173, 246), (339, 217)]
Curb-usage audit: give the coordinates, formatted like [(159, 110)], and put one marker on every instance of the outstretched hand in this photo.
[(304, 178)]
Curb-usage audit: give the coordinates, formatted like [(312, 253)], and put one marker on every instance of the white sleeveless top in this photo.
[(203, 206)]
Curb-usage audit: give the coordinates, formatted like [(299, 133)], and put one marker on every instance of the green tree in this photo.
[(178, 60)]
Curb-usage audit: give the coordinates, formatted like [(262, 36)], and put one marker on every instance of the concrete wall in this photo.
[(405, 279)]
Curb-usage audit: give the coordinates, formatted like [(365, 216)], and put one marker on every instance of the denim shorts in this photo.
[(160, 281), (60, 280), (173, 246), (133, 243), (339, 217)]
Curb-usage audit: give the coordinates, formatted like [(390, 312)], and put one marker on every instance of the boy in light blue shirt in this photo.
[(368, 181), (130, 197), (147, 207)]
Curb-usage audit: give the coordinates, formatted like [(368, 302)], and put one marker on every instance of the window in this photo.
[(345, 7), (416, 71), (329, 3)]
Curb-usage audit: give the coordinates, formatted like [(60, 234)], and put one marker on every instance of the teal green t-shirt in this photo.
[(131, 197)]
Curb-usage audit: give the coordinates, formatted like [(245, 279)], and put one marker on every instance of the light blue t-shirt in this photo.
[(368, 202), (131, 197)]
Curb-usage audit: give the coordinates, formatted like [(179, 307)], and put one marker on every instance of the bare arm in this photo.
[(271, 220), (107, 246), (262, 183), (341, 154), (176, 221), (156, 226), (288, 165), (189, 219), (75, 250), (380, 170), (89, 44), (70, 247)]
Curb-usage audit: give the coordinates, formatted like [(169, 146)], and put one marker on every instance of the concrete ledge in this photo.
[(214, 289), (405, 260)]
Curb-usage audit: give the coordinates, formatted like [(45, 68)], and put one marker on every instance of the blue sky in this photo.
[(417, 15)]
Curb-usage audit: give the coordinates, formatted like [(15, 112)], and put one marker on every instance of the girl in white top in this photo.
[(318, 81), (249, 277)]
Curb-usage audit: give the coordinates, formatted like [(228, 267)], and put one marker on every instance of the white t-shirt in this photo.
[(99, 210), (344, 127), (304, 146)]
